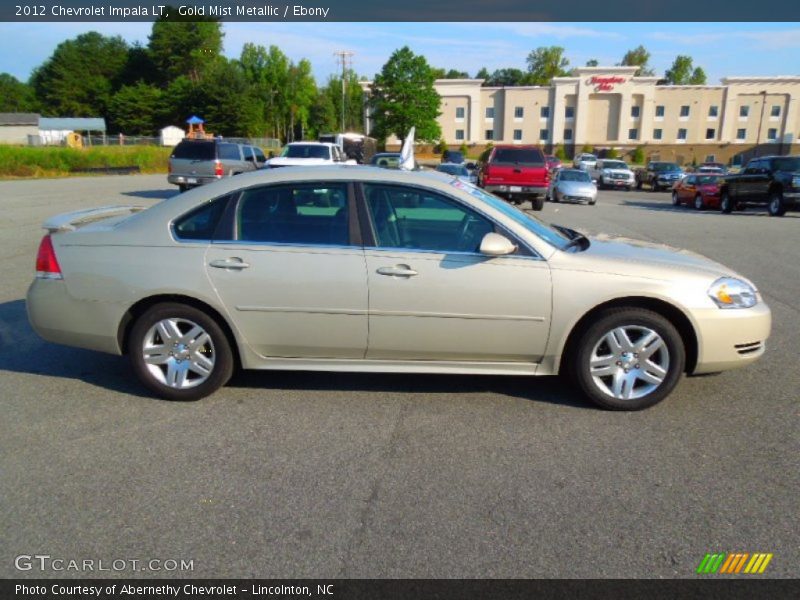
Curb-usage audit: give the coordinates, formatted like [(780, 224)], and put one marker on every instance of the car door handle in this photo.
[(397, 271), (229, 263)]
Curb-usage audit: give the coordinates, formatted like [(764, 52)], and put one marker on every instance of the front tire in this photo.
[(675, 200), (699, 203), (179, 352), (628, 359), (775, 206), (726, 203), (537, 203)]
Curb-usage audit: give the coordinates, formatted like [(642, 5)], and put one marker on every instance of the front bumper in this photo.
[(58, 317), (732, 338)]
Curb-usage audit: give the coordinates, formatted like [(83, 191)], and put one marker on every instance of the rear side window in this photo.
[(194, 150), (519, 156), (202, 222), (259, 155), (228, 152), (315, 214)]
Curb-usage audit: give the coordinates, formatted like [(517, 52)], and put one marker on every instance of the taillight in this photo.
[(218, 169), (46, 261)]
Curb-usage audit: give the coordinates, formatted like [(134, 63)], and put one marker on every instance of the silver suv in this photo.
[(197, 162)]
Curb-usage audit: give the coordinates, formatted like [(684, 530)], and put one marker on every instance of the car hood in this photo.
[(621, 253)]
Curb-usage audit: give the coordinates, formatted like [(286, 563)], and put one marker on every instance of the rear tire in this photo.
[(179, 352), (699, 203), (675, 200), (726, 203), (627, 359), (537, 203), (183, 188), (776, 207)]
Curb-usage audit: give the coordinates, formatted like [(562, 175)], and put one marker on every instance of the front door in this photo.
[(433, 296)]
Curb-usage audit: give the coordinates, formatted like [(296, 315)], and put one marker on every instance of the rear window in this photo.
[(518, 156), (202, 222), (194, 150), (666, 167), (306, 151)]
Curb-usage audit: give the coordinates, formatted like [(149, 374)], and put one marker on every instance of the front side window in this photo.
[(419, 219), (313, 214), (229, 152)]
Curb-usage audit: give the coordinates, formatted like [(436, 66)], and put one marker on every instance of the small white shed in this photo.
[(171, 135)]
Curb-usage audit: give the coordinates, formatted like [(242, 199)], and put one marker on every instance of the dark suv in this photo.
[(453, 156), (197, 162)]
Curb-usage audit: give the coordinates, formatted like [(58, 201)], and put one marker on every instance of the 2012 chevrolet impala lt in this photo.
[(365, 269)]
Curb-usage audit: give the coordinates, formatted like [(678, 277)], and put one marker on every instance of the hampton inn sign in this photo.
[(605, 84)]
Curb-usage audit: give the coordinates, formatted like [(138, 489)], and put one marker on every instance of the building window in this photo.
[(568, 135), (635, 112), (682, 134), (489, 134), (744, 111), (519, 112), (658, 134), (518, 135), (460, 112), (543, 135), (713, 112), (490, 112), (684, 111), (459, 134), (711, 133), (775, 111), (660, 111), (711, 158), (633, 134), (544, 112), (569, 112), (741, 134), (772, 134)]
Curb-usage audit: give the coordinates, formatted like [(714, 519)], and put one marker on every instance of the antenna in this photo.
[(344, 57)]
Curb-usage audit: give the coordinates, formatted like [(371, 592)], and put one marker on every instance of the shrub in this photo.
[(486, 152), (441, 147), (464, 149), (560, 153), (588, 149), (638, 156), (612, 153)]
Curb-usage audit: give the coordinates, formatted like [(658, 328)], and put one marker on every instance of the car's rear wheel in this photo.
[(653, 187), (182, 188), (628, 359), (726, 203), (699, 203), (775, 206), (675, 200), (537, 202), (179, 352)]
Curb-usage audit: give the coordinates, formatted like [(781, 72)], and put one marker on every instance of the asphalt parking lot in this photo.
[(287, 474)]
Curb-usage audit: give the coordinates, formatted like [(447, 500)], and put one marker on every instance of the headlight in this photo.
[(796, 182), (728, 292)]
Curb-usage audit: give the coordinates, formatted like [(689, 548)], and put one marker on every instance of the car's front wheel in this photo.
[(699, 203), (179, 352), (726, 203), (537, 202), (628, 359), (675, 200), (775, 206)]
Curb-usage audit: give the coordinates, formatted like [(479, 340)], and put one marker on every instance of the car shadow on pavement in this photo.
[(668, 207), (22, 351), (152, 194), (553, 390)]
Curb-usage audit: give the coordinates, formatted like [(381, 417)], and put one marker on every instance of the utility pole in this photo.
[(344, 57)]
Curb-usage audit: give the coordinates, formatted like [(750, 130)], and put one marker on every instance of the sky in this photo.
[(722, 49)]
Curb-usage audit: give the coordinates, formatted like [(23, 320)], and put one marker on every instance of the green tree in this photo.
[(544, 63), (137, 109), (638, 57), (442, 146), (15, 96), (80, 77), (638, 156), (508, 77), (592, 62), (301, 95), (464, 149), (403, 97), (330, 96), (588, 149), (612, 153), (483, 74), (682, 72), (184, 46), (560, 153), (487, 150)]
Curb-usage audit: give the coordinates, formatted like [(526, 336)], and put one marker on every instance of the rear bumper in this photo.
[(512, 190), (728, 339), (189, 180), (58, 317)]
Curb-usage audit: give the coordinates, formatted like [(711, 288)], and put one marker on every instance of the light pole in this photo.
[(343, 56), (761, 120)]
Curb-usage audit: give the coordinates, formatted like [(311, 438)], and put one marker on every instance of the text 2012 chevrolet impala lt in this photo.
[(366, 269)]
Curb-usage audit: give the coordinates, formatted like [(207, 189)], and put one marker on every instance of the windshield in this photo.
[(457, 170), (549, 234), (707, 179), (587, 157), (614, 164), (518, 156), (574, 175), (453, 156), (666, 167), (790, 163), (305, 151)]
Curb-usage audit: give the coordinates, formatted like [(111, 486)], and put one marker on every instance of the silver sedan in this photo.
[(365, 269), (572, 185)]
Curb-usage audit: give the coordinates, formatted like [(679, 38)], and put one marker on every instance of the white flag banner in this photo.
[(407, 152)]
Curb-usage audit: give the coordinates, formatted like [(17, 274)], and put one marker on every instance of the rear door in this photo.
[(433, 296), (292, 275), (687, 188)]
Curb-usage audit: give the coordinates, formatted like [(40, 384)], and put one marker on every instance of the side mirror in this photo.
[(494, 244)]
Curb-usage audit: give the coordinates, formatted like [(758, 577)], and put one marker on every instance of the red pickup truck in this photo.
[(517, 173)]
